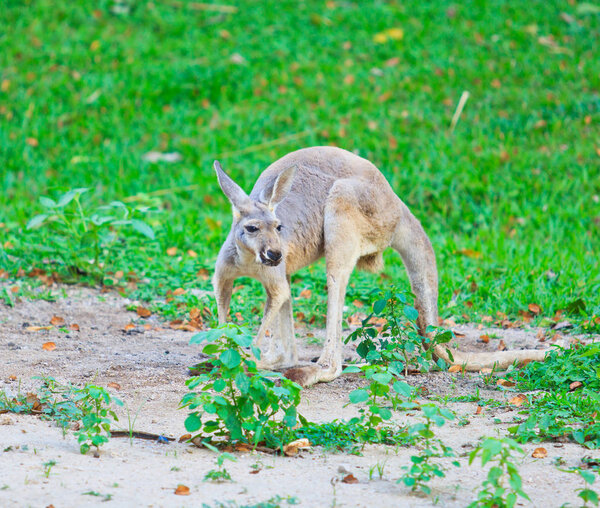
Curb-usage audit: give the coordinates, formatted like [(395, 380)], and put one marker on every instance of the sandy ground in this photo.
[(151, 367)]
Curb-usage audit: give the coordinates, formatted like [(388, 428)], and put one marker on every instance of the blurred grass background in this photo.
[(510, 198)]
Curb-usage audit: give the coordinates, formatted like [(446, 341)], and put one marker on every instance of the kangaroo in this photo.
[(326, 201)]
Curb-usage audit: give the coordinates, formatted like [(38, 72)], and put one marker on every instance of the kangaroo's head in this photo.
[(256, 228)]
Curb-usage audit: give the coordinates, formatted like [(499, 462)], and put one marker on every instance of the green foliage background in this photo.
[(98, 84)]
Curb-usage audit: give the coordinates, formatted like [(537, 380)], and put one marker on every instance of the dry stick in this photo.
[(201, 6), (460, 106), (160, 192), (260, 146)]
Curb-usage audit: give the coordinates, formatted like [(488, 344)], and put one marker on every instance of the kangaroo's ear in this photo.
[(282, 185), (239, 199)]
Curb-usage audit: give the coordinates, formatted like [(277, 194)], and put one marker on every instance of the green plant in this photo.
[(397, 344), (379, 467), (424, 467), (561, 368), (58, 404), (587, 494), (235, 399), (47, 467), (351, 436), (220, 474), (503, 485), (97, 416), (559, 415), (83, 237)]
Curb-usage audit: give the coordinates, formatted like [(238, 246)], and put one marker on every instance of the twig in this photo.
[(160, 192), (459, 108), (140, 435), (201, 6), (260, 146)]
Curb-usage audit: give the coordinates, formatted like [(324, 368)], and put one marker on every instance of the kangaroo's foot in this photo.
[(312, 374), (276, 358)]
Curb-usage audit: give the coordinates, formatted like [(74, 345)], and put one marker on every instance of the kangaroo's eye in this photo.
[(279, 228), (251, 229)]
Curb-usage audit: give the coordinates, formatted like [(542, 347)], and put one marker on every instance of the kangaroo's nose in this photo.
[(273, 256)]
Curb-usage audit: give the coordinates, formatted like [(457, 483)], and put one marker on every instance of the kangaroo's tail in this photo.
[(413, 245)]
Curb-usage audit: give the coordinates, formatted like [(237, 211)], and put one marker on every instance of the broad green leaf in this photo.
[(230, 358), (143, 228), (358, 396), (403, 388), (379, 305), (193, 423), (411, 313), (47, 202), (36, 221)]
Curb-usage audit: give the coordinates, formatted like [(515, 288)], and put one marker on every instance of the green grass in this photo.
[(515, 186)]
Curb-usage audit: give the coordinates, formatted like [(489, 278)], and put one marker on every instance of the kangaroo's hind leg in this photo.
[(413, 245)]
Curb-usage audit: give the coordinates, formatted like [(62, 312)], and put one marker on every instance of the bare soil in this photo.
[(150, 366)]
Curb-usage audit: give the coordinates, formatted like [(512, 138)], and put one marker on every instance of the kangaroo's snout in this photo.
[(270, 257)]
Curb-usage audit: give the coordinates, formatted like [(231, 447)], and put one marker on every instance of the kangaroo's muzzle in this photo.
[(270, 257)]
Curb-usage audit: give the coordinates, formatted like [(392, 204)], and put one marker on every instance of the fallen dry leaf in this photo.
[(350, 478), (74, 327), (519, 400), (185, 437), (12, 378), (479, 410), (291, 449), (129, 326), (57, 321), (48, 346), (242, 447), (470, 253), (355, 319), (143, 312), (501, 345), (114, 385), (192, 253), (179, 292), (203, 274), (504, 382), (539, 453), (484, 338), (33, 142), (171, 251), (182, 490), (305, 293), (455, 368), (37, 328), (574, 385), (358, 304), (534, 308)]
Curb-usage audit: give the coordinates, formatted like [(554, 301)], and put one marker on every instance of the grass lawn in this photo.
[(510, 198)]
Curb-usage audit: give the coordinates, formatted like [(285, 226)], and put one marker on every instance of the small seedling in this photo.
[(47, 467), (424, 466), (97, 418), (586, 494), (503, 485), (220, 474), (379, 467)]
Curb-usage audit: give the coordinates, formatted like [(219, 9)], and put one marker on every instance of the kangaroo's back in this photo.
[(302, 211)]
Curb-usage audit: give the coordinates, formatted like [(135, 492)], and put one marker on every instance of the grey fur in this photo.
[(331, 203)]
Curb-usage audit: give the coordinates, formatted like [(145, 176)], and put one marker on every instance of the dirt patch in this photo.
[(150, 365)]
